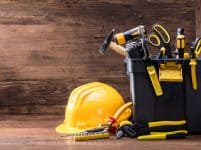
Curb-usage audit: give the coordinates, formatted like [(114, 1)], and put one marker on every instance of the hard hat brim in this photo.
[(64, 128)]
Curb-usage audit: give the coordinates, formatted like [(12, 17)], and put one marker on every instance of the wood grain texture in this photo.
[(198, 18), (48, 47), (37, 132)]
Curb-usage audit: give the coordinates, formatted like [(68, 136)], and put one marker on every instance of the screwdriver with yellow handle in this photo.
[(195, 52), (180, 45)]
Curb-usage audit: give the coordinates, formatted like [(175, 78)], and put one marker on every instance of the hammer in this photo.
[(108, 43)]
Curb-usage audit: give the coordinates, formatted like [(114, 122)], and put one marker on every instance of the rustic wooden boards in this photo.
[(47, 48), (198, 18), (36, 132)]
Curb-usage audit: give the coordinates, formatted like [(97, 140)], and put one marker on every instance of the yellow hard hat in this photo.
[(90, 105)]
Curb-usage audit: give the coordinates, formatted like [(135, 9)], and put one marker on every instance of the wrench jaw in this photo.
[(106, 42)]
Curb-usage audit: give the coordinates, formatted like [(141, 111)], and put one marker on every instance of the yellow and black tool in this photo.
[(166, 123), (198, 48), (161, 39), (153, 130), (93, 134), (169, 71), (122, 114), (104, 130), (132, 34), (195, 52), (179, 134), (174, 130), (186, 55), (150, 67), (180, 43)]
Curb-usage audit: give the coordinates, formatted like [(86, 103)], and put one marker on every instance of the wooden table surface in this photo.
[(37, 132)]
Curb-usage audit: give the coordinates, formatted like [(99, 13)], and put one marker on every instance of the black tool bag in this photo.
[(178, 102)]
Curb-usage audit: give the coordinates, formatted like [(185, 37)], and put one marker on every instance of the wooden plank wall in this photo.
[(198, 18), (48, 47)]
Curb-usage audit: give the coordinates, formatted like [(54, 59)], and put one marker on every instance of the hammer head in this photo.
[(106, 42)]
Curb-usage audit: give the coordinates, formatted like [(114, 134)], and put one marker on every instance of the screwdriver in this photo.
[(180, 45)]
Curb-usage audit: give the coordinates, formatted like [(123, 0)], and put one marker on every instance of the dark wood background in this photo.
[(49, 47), (198, 17)]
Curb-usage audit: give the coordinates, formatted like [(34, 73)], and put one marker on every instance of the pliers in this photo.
[(153, 130)]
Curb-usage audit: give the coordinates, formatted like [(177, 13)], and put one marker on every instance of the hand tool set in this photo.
[(158, 83), (165, 91)]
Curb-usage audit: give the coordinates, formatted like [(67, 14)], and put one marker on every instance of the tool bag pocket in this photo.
[(193, 98), (149, 107)]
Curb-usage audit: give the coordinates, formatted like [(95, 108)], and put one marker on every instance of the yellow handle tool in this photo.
[(160, 38), (121, 110), (154, 80), (195, 52), (132, 34), (165, 135), (91, 136), (198, 48), (186, 55), (167, 123), (108, 43), (180, 42), (170, 132), (121, 115)]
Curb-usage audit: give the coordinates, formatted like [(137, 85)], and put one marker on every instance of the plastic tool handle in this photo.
[(167, 123), (154, 40), (178, 134), (180, 42), (121, 110), (132, 34), (91, 136), (198, 48), (162, 32), (162, 136)]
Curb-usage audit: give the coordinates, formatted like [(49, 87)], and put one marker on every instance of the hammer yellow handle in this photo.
[(119, 49)]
